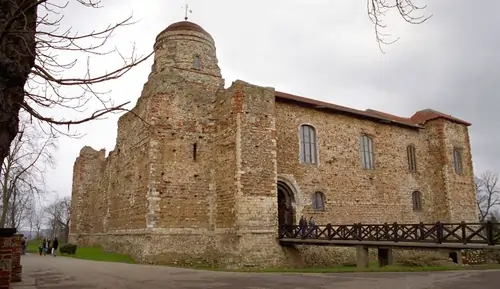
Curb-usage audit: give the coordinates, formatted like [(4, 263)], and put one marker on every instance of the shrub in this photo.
[(68, 249)]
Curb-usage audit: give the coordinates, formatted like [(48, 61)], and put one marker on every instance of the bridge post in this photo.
[(490, 233), (384, 257), (439, 232), (362, 258)]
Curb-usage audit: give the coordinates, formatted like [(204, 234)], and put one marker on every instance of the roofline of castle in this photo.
[(416, 121)]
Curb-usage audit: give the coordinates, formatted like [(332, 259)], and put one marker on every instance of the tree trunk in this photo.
[(5, 196), (13, 208), (17, 58)]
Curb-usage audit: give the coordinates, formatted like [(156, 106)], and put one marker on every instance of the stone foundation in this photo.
[(245, 250), (315, 256), (481, 256), (217, 250)]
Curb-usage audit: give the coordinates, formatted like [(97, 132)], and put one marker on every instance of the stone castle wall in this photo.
[(192, 179), (354, 194), (460, 187), (384, 194), (109, 193)]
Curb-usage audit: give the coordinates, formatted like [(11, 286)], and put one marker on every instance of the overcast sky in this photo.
[(321, 49)]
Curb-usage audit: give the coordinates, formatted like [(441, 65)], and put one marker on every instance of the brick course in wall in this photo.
[(193, 177), (10, 261), (5, 267)]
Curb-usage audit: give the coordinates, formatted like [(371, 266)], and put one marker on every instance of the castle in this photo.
[(203, 175)]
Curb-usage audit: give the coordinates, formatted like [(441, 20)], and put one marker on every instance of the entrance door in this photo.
[(285, 208)]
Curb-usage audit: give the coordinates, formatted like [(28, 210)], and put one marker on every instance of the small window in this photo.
[(196, 62), (318, 201), (417, 201), (457, 160), (366, 144), (412, 158), (308, 144)]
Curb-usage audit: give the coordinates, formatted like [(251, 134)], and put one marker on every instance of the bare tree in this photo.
[(36, 219), (23, 171), (18, 207), (378, 9), (488, 194), (32, 72), (58, 217)]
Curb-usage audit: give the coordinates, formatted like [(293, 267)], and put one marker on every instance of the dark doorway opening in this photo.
[(286, 201), (454, 257)]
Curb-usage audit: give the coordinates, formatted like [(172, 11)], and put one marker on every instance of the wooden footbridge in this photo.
[(452, 237)]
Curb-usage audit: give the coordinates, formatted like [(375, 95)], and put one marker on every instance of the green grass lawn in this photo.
[(88, 253)]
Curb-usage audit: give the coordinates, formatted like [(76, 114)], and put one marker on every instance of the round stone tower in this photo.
[(185, 49), (179, 100)]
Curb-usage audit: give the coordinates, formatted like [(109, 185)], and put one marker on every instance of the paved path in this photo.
[(66, 273)]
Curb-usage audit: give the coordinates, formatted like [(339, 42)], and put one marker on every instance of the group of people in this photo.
[(307, 228), (48, 247)]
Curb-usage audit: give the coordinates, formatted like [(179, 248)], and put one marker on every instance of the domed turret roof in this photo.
[(185, 25)]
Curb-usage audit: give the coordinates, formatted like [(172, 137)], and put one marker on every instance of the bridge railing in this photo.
[(438, 233)]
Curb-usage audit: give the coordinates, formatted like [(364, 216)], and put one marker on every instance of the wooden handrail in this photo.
[(438, 233)]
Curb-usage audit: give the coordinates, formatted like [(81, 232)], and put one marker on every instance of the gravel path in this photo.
[(67, 273)]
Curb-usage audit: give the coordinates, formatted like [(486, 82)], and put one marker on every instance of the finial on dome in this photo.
[(186, 11)]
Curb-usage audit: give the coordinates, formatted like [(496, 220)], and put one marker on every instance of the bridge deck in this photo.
[(432, 236), (406, 245)]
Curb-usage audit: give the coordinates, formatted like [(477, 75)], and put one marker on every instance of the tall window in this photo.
[(412, 158), (318, 201), (308, 144), (457, 160), (196, 62), (367, 152), (417, 201)]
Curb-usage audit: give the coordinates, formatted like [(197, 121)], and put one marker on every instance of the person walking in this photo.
[(303, 226), (44, 246), (23, 246), (55, 245), (312, 227)]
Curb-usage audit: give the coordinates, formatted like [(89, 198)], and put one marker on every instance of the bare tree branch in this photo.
[(378, 9), (59, 213), (488, 194), (23, 170), (38, 62)]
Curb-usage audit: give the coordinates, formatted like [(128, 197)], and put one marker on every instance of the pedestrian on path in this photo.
[(55, 245)]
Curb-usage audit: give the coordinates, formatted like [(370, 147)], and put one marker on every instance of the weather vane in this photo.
[(186, 11)]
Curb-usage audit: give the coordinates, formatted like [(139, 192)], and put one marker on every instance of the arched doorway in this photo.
[(286, 201)]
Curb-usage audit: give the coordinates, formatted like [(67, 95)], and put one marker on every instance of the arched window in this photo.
[(411, 153), (416, 197), (196, 62), (457, 160), (366, 144), (318, 201), (308, 144)]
